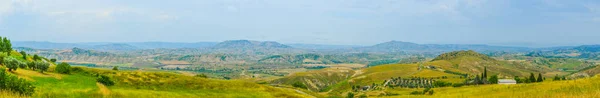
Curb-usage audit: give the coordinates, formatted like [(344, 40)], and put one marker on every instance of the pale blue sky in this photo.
[(532, 23)]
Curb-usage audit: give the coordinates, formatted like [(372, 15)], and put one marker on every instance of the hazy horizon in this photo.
[(532, 23)]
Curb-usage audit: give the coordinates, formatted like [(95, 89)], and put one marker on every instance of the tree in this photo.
[(32, 65), (2, 56), (11, 63), (556, 78), (531, 78), (493, 79), (116, 68), (105, 80), (36, 57), (201, 76), (42, 66), (350, 95), (52, 60), (63, 68), (299, 85), (484, 73), (24, 55), (540, 79)]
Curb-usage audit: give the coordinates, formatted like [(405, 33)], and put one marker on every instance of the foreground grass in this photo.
[(581, 88), (137, 84)]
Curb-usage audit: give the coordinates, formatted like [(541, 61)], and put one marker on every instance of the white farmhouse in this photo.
[(507, 81)]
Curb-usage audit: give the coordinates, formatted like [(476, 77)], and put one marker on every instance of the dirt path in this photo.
[(103, 89)]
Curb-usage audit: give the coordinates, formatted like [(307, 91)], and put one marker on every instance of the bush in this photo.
[(457, 85), (105, 80), (52, 60), (41, 66), (299, 85), (11, 63), (201, 76), (63, 68), (115, 68), (15, 84), (416, 93), (441, 84)]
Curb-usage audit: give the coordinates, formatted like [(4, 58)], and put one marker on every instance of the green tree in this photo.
[(52, 60), (540, 79), (42, 66), (11, 63), (63, 68), (531, 78), (105, 80), (493, 79), (24, 55), (32, 65), (350, 95), (2, 56), (484, 73), (556, 78), (116, 68), (201, 76), (36, 57)]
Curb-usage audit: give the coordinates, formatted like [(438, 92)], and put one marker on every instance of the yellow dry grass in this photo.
[(580, 88)]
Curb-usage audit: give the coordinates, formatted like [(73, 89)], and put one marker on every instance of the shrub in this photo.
[(493, 79), (63, 68), (42, 66), (36, 57), (15, 84), (299, 85), (350, 95), (11, 63), (457, 85), (441, 84), (201, 76), (52, 60), (105, 80), (115, 68), (416, 93)]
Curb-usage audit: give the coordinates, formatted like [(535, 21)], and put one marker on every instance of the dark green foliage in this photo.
[(441, 84), (36, 57), (540, 79), (63, 68), (52, 60), (116, 68), (24, 55), (493, 79), (416, 93), (201, 76), (518, 79), (32, 65), (556, 78), (5, 45), (350, 95), (484, 73), (299, 85), (105, 80), (531, 78), (457, 85), (15, 84)]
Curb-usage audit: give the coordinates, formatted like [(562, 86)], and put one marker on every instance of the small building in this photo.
[(507, 81)]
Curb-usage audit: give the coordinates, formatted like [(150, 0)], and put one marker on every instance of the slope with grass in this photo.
[(580, 88), (82, 83)]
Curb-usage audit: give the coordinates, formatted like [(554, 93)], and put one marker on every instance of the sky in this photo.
[(530, 23)]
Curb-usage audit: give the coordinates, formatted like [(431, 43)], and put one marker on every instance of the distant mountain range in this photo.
[(245, 45)]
